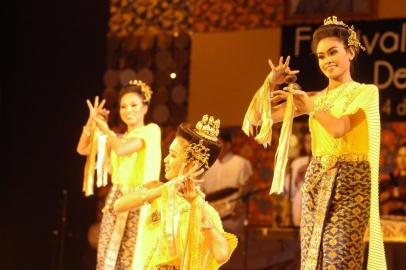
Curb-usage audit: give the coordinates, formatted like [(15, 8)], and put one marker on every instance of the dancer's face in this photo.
[(175, 158), (132, 109), (334, 58)]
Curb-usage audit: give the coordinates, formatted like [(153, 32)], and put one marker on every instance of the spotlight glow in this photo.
[(172, 75)]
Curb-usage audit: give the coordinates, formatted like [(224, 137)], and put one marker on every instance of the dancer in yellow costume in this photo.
[(340, 191), (184, 232), (135, 159)]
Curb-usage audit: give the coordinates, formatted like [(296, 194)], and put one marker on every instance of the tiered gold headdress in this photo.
[(208, 128), (352, 39), (145, 89)]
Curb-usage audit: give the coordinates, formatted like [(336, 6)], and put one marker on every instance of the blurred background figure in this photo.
[(225, 184), (393, 190), (298, 169)]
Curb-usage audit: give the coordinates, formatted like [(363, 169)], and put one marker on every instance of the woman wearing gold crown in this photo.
[(340, 192), (184, 231), (135, 159)]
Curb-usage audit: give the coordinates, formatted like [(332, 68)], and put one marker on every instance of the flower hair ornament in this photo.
[(352, 39), (145, 89)]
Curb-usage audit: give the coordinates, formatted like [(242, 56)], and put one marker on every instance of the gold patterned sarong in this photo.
[(118, 235), (335, 214)]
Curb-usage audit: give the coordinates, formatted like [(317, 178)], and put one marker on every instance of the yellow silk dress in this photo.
[(340, 191), (173, 237), (121, 233)]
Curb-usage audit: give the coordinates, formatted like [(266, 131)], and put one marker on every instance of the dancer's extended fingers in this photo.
[(287, 61), (280, 92), (196, 174), (277, 99), (96, 102), (89, 105), (271, 64), (300, 93), (196, 180), (281, 61), (101, 105), (293, 72)]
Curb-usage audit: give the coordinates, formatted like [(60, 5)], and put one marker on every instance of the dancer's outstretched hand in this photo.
[(98, 114), (97, 110), (303, 103), (187, 182), (279, 73), (278, 96)]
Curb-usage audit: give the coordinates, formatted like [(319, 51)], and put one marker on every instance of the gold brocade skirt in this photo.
[(335, 214), (118, 235)]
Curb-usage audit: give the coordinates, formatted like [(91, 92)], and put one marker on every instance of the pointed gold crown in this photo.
[(352, 39), (199, 154), (208, 127), (145, 89)]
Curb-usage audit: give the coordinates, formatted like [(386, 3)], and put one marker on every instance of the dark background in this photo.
[(53, 58)]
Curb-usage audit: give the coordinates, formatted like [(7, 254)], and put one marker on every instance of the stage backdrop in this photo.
[(226, 69), (383, 63)]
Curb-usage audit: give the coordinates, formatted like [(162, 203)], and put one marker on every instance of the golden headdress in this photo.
[(198, 153), (352, 39), (209, 129), (145, 89)]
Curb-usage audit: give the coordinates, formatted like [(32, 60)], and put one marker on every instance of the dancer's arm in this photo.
[(214, 239), (148, 193), (121, 146), (153, 190), (83, 147), (336, 127)]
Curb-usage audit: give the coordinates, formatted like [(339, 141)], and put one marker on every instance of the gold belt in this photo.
[(329, 161), (167, 267)]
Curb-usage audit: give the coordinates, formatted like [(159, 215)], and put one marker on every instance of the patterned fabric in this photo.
[(167, 267), (117, 236), (348, 99), (335, 214)]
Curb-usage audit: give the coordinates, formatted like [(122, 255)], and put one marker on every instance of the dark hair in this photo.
[(132, 89), (225, 135), (187, 132)]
